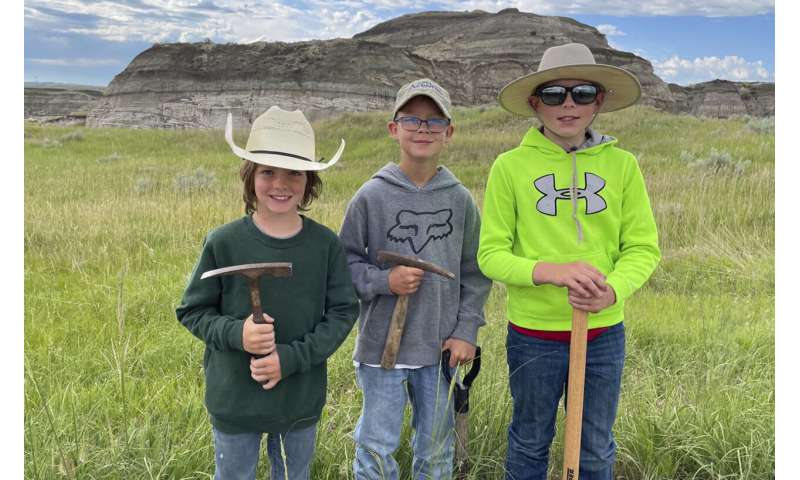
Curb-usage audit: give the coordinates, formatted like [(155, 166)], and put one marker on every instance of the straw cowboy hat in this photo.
[(572, 61), (281, 139)]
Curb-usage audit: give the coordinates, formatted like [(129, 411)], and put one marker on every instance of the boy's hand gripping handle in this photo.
[(253, 273), (398, 321)]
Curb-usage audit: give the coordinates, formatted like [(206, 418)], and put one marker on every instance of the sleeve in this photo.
[(639, 252), (475, 286), (341, 312), (495, 256), (368, 279), (199, 308)]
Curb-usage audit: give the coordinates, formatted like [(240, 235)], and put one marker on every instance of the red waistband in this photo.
[(559, 336)]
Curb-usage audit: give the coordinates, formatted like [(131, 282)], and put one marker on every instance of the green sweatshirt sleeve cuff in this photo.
[(288, 360), (620, 286), (522, 272), (235, 332)]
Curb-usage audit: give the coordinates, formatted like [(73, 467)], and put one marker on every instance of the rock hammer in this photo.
[(398, 321), (253, 272)]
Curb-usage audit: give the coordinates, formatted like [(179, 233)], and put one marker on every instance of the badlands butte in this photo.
[(472, 54)]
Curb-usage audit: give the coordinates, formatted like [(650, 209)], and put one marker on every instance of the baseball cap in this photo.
[(426, 87)]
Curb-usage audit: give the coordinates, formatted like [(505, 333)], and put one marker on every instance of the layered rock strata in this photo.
[(472, 54)]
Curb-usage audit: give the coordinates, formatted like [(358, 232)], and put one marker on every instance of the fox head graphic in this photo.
[(419, 228)]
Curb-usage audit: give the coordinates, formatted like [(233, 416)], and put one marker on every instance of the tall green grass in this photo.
[(114, 221)]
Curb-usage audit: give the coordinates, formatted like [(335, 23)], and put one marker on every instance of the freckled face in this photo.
[(278, 190)]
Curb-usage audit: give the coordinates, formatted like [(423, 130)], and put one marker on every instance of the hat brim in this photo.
[(276, 159), (435, 100), (622, 88)]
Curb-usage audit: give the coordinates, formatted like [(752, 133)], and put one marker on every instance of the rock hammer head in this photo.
[(397, 259), (253, 271)]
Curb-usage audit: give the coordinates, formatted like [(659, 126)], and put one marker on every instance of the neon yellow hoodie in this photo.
[(528, 217)]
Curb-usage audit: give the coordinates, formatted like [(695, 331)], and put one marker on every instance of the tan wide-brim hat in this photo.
[(282, 139), (572, 61)]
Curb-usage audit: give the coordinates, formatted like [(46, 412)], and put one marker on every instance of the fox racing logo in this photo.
[(419, 228)]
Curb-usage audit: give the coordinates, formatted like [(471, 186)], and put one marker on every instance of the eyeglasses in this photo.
[(412, 124), (582, 94)]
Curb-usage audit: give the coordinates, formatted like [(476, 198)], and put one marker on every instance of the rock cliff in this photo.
[(472, 54), (53, 102), (721, 98)]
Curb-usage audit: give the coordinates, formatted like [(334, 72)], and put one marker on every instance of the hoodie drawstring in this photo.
[(573, 193)]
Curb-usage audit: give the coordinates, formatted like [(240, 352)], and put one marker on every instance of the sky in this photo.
[(90, 41)]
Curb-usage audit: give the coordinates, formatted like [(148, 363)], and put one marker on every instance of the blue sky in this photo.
[(90, 41)]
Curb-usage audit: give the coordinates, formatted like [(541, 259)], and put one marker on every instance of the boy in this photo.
[(415, 208), (270, 377), (567, 224)]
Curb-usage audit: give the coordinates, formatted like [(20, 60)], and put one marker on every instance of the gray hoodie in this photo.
[(439, 223)]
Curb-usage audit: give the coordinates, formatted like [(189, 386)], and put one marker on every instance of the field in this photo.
[(114, 220)]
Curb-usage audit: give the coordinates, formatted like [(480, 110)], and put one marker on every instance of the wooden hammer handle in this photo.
[(462, 465), (255, 299), (395, 333), (577, 372)]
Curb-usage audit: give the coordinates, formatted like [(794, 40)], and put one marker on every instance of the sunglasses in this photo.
[(582, 94), (412, 124)]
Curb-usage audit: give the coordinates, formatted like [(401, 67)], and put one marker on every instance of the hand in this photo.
[(460, 351), (405, 280), (593, 304), (258, 338), (580, 277), (266, 370)]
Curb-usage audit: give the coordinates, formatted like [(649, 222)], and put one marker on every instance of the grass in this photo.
[(114, 220)]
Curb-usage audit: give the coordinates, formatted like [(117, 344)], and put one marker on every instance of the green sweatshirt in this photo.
[(314, 310), (528, 217)]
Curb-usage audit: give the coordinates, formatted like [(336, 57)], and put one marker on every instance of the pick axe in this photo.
[(461, 394), (398, 322), (577, 372), (253, 272)]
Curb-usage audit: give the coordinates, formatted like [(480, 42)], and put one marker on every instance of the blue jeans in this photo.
[(537, 371), (377, 433), (236, 454)]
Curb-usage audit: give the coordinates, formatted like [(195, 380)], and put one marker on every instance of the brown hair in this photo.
[(247, 173)]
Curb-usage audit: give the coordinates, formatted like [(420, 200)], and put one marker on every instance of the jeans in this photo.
[(377, 433), (236, 454), (537, 371)]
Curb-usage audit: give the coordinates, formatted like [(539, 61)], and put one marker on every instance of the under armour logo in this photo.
[(419, 228), (547, 186)]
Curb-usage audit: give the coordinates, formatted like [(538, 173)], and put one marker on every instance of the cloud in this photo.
[(170, 20), (74, 62), (293, 20), (708, 8), (686, 71), (610, 30)]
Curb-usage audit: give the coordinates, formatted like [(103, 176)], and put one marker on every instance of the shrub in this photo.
[(200, 180), (144, 185), (761, 124), (719, 161), (75, 136)]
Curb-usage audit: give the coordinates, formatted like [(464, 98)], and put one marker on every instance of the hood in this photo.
[(535, 138), (391, 173)]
